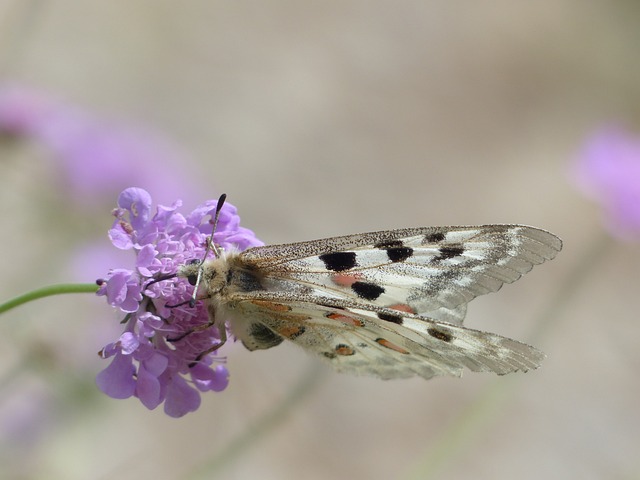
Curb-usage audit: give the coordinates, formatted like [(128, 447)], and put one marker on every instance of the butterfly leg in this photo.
[(199, 328), (223, 339)]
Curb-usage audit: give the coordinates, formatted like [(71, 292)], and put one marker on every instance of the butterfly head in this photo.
[(198, 270), (190, 271), (210, 246)]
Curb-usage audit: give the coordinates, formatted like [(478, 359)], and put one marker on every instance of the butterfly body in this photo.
[(388, 304)]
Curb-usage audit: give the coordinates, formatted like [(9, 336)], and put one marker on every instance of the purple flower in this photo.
[(153, 358), (608, 170), (96, 157)]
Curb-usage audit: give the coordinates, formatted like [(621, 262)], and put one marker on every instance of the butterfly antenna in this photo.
[(160, 279), (210, 246)]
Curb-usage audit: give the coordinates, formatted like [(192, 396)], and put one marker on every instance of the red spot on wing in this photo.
[(386, 343), (292, 331), (346, 279), (345, 350), (345, 319), (276, 307), (402, 307)]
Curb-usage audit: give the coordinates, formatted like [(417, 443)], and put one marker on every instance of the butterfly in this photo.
[(388, 304)]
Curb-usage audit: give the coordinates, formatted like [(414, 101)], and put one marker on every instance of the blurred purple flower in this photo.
[(98, 158), (146, 362), (608, 170)]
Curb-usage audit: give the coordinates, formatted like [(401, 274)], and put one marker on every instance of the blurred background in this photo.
[(319, 119)]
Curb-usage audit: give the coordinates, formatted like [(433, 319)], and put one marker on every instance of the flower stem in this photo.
[(48, 291)]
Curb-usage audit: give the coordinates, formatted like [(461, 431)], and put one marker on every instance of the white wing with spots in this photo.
[(431, 271), (370, 340)]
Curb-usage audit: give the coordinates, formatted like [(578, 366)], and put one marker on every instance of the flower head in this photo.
[(608, 170), (153, 359)]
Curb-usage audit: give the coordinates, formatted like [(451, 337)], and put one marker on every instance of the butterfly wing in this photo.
[(432, 271), (365, 339)]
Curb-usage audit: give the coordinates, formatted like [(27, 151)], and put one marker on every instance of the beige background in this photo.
[(318, 119)]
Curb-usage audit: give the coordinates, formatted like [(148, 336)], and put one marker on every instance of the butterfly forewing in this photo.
[(433, 271)]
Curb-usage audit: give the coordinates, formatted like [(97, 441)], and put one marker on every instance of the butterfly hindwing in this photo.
[(364, 339)]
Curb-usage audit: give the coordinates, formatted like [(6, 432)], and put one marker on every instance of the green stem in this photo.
[(60, 289), (486, 405)]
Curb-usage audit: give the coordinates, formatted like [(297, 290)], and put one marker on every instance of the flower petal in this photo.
[(181, 398), (117, 379)]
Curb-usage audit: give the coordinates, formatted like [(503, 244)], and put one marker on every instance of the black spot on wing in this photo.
[(388, 244), (389, 317), (440, 334), (396, 251), (339, 261), (436, 237), (262, 338), (450, 252), (399, 254), (366, 290)]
